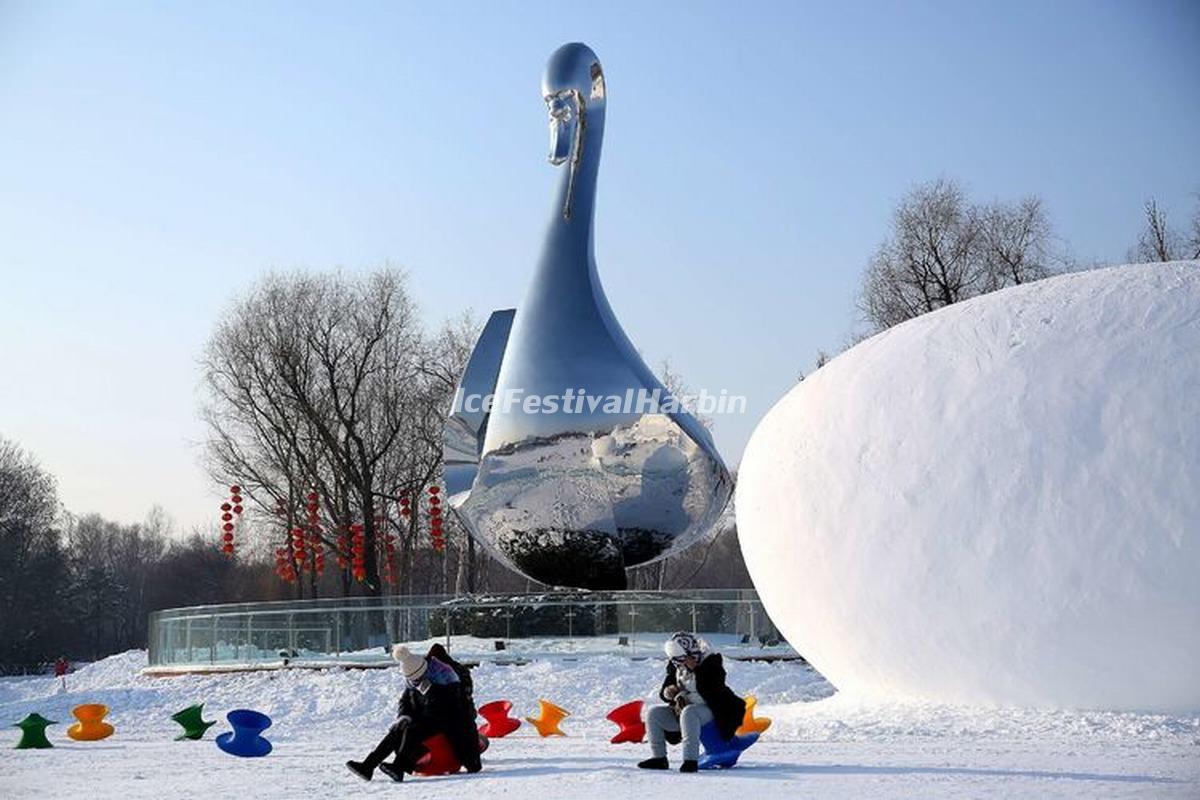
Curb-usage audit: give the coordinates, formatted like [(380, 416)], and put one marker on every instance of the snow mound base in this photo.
[(996, 502)]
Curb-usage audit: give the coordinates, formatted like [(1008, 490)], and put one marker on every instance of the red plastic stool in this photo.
[(498, 723), (629, 719), (440, 758)]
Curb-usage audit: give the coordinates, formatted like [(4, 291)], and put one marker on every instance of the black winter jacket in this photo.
[(443, 708), (728, 709)]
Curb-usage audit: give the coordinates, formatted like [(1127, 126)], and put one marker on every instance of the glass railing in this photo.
[(359, 631)]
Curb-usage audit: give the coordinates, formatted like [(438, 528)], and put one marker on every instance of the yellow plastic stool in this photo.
[(751, 723), (91, 726), (548, 718)]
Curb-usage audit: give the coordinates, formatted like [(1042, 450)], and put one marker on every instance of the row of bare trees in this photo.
[(83, 587), (328, 383), (943, 248)]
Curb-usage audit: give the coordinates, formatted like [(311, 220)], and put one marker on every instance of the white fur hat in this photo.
[(413, 665)]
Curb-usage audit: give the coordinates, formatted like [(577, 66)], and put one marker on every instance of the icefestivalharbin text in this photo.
[(573, 401), (997, 501)]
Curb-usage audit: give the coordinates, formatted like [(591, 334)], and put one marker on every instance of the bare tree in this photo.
[(942, 249), (1016, 239), (1194, 236), (313, 382), (1159, 241), (33, 567)]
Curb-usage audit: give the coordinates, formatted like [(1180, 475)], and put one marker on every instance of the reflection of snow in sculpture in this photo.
[(573, 499), (997, 501), (620, 498)]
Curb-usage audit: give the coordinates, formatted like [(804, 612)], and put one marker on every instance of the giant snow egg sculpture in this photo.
[(996, 502)]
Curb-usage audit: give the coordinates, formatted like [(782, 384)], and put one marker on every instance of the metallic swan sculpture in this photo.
[(582, 467)]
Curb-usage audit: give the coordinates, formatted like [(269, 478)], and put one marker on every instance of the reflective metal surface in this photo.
[(574, 496)]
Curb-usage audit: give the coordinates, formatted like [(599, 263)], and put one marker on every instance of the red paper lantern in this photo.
[(235, 489), (225, 506), (237, 509), (434, 489), (228, 526), (237, 498), (435, 500), (226, 517)]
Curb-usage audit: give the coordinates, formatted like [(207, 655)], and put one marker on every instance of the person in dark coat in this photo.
[(695, 693), (434, 701)]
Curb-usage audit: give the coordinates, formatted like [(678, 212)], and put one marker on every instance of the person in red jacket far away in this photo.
[(60, 670)]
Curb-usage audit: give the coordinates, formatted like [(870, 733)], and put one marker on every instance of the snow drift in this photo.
[(996, 502)]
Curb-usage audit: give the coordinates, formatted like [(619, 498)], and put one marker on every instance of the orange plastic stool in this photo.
[(91, 726), (548, 718), (629, 719), (497, 722), (751, 723)]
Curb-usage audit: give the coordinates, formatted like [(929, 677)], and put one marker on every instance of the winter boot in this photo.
[(689, 766), (360, 769), (653, 763), (393, 771)]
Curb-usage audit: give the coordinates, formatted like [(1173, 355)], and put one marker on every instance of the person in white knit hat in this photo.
[(436, 699), (695, 694)]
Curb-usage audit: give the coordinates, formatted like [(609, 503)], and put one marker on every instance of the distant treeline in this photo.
[(83, 587)]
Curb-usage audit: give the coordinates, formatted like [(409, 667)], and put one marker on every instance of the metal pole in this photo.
[(187, 638)]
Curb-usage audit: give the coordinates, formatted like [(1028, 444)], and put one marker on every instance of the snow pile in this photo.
[(996, 502)]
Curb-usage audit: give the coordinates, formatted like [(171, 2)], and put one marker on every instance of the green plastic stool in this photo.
[(33, 732), (194, 726)]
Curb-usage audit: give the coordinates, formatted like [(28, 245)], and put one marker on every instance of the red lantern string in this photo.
[(343, 550), (229, 511), (435, 520), (358, 552)]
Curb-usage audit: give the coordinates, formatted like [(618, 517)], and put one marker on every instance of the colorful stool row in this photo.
[(631, 728), (91, 727), (244, 740)]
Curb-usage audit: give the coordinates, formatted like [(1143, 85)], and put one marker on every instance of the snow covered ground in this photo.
[(821, 745)]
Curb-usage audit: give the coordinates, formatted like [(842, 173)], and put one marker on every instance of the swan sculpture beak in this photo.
[(562, 126), (568, 121)]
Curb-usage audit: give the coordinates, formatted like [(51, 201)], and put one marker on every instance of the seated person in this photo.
[(695, 692), (435, 700)]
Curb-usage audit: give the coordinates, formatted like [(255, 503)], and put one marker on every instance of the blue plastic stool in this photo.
[(245, 739), (722, 753)]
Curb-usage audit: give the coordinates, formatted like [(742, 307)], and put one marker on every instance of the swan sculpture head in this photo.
[(573, 88)]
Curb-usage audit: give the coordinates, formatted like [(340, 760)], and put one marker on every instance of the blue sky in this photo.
[(156, 158)]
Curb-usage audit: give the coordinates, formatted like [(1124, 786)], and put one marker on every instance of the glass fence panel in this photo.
[(360, 630)]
